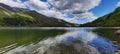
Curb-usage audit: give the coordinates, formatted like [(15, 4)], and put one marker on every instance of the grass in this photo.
[(25, 16), (6, 13), (109, 20)]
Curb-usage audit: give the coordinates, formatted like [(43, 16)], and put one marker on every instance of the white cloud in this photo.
[(79, 8), (86, 15), (118, 4), (12, 3), (74, 6), (37, 5), (42, 8), (89, 16)]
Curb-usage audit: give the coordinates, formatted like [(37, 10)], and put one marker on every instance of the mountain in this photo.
[(20, 17), (109, 20), (5, 7), (11, 9)]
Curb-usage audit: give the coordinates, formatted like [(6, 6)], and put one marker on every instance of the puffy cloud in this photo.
[(37, 5), (56, 8), (86, 15), (43, 8), (79, 8), (12, 3), (74, 6), (118, 4)]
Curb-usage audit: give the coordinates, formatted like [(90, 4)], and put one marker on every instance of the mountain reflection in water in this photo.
[(74, 41)]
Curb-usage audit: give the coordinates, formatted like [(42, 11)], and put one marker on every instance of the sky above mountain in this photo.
[(74, 11)]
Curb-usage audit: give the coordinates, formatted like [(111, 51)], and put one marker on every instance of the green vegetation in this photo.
[(109, 20), (25, 36), (108, 33), (4, 13), (25, 16), (32, 18), (17, 19), (11, 17)]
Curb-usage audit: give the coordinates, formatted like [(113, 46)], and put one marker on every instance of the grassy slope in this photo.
[(17, 17), (29, 18), (32, 18), (109, 20), (48, 21)]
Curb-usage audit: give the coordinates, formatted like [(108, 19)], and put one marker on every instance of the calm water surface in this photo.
[(57, 41)]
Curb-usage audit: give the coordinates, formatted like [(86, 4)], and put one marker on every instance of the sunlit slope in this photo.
[(18, 17), (109, 20)]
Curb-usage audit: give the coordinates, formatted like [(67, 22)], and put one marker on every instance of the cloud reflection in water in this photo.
[(81, 40)]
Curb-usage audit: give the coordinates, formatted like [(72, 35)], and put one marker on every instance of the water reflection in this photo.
[(74, 41)]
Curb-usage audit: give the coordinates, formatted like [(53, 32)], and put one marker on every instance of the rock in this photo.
[(117, 32), (117, 52), (119, 47), (115, 42)]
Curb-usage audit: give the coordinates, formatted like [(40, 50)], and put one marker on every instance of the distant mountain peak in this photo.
[(7, 7)]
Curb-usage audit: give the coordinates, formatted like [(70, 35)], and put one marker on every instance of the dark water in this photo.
[(57, 41)]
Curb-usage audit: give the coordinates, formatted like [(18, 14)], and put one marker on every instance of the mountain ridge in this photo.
[(109, 20), (20, 17)]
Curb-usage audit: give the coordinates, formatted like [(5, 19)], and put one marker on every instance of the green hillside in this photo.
[(18, 17), (109, 20)]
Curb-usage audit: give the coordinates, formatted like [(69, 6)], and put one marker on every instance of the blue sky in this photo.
[(74, 11), (21, 0), (44, 0), (105, 7)]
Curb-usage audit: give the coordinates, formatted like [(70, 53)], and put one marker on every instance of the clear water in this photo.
[(54, 41)]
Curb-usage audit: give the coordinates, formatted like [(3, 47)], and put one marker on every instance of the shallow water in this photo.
[(55, 41)]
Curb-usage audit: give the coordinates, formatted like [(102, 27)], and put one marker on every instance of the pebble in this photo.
[(117, 32), (118, 46), (117, 52), (115, 42)]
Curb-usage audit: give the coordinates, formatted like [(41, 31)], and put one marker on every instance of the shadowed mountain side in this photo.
[(19, 17)]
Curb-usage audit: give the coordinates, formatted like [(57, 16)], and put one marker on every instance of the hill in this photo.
[(109, 20), (19, 17)]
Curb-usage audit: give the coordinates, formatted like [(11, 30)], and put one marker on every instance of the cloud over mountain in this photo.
[(59, 8), (74, 6), (118, 4), (12, 3)]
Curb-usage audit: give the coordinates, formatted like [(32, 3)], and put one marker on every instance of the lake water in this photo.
[(58, 40)]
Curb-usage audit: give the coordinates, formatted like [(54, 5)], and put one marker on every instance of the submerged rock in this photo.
[(117, 52), (62, 49), (71, 48), (119, 46), (117, 32), (116, 44)]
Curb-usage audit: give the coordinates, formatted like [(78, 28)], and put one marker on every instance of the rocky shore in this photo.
[(118, 47)]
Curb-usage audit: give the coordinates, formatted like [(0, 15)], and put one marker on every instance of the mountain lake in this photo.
[(59, 40)]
